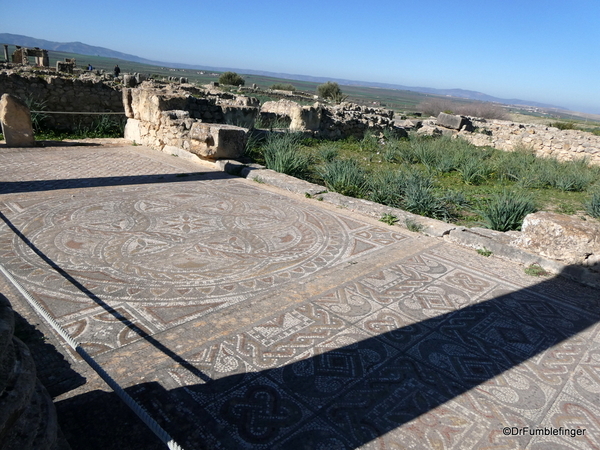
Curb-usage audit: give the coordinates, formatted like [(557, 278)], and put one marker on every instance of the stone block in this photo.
[(301, 117), (216, 141), (454, 122), (132, 131), (16, 122), (568, 239)]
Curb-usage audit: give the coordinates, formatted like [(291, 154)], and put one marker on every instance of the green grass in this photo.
[(535, 270), (449, 179), (345, 177), (413, 226), (105, 126), (281, 153), (506, 210), (592, 205), (388, 218)]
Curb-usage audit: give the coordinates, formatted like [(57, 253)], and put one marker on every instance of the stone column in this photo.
[(5, 53)]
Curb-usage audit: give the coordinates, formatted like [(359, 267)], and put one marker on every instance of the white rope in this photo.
[(127, 399), (122, 113)]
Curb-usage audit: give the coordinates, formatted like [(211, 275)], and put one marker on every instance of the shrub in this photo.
[(345, 177), (563, 125), (36, 108), (283, 87), (512, 166), (331, 91), (506, 211), (232, 79), (424, 151)]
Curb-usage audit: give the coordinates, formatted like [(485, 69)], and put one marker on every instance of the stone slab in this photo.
[(16, 122)]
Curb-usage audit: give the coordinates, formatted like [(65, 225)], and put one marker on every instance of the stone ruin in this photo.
[(201, 121), (21, 56), (47, 90), (66, 66), (169, 118), (544, 140)]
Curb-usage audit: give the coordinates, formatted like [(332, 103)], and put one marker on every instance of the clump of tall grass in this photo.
[(281, 152), (386, 187), (328, 152), (474, 171), (592, 205), (420, 197), (513, 166), (573, 176), (506, 210), (345, 177), (369, 143)]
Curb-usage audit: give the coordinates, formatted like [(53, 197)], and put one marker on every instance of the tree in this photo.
[(331, 91), (232, 79)]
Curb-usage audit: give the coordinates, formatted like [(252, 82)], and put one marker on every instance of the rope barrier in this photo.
[(124, 396), (85, 113)]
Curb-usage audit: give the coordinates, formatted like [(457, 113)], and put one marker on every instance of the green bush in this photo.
[(232, 79), (563, 125), (331, 91), (506, 211), (513, 166), (345, 177)]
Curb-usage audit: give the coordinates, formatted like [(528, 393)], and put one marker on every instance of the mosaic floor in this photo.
[(241, 316)]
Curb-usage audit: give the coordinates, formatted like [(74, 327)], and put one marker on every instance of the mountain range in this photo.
[(85, 49)]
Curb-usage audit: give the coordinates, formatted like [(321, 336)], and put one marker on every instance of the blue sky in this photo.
[(546, 51)]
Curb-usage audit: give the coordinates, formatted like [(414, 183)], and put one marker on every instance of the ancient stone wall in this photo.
[(168, 118), (331, 122), (63, 94), (350, 119), (546, 141)]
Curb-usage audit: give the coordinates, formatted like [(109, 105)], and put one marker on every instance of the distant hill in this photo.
[(84, 49)]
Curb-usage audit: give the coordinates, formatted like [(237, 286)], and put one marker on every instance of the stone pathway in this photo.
[(242, 316)]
